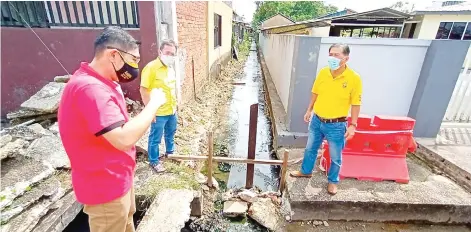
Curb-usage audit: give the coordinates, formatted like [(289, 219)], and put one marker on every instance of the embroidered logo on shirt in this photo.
[(344, 85)]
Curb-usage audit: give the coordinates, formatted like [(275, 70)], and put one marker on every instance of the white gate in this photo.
[(459, 108)]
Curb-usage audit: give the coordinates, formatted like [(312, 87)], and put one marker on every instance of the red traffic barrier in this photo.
[(378, 150)]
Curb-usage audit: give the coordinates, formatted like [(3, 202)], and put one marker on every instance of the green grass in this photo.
[(176, 177)]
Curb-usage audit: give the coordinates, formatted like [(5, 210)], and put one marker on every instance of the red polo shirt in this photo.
[(91, 106)]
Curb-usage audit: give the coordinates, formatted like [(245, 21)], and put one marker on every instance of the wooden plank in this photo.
[(210, 159), (227, 159), (284, 168), (252, 145)]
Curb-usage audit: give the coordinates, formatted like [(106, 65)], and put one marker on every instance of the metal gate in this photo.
[(459, 108)]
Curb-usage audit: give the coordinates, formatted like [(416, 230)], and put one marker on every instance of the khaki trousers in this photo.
[(113, 216)]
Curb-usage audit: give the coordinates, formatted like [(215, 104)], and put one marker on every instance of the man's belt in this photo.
[(332, 120)]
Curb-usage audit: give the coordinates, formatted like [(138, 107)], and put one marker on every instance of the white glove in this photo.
[(157, 96)]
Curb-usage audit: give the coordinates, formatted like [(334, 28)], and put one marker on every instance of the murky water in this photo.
[(243, 97)]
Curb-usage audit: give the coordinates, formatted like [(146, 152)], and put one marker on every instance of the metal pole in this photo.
[(252, 144)]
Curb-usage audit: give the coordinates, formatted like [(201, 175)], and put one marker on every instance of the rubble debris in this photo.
[(235, 208), (65, 211), (44, 189), (38, 128), (326, 224), (18, 175), (201, 178), (38, 118), (49, 149), (27, 220), (14, 148), (266, 213), (5, 139), (248, 196), (54, 128), (26, 132), (62, 79), (47, 99), (24, 113), (197, 204)]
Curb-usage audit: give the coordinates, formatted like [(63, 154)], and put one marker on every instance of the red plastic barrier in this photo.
[(378, 150)]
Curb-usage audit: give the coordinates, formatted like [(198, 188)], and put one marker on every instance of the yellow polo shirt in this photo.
[(157, 75), (336, 95)]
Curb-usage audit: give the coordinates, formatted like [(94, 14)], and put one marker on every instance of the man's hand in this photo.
[(307, 116), (157, 96), (350, 132)]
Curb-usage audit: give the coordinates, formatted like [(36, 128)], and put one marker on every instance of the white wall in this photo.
[(320, 31), (429, 26), (222, 9), (389, 69), (278, 51)]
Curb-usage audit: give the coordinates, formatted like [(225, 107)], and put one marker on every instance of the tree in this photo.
[(296, 10), (405, 7)]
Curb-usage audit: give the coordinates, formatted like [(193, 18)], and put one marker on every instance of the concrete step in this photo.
[(426, 198)]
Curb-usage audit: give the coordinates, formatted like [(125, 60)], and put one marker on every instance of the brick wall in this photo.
[(192, 29)]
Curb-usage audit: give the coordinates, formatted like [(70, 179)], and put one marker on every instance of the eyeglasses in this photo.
[(136, 58)]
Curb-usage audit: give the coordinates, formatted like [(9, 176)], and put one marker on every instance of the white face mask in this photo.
[(167, 60)]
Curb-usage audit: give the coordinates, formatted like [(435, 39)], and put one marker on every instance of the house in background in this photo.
[(379, 23), (276, 20), (219, 35), (440, 22)]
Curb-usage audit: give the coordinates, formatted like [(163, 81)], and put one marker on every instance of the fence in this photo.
[(250, 161), (70, 14), (459, 108)]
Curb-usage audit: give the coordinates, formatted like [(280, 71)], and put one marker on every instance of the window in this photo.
[(443, 30), (454, 30), (217, 30), (467, 32)]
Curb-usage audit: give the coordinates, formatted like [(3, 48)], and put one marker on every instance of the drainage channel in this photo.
[(252, 92)]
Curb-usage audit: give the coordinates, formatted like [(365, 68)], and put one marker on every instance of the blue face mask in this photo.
[(334, 63)]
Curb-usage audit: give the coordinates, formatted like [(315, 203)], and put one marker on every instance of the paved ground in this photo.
[(371, 227), (381, 201)]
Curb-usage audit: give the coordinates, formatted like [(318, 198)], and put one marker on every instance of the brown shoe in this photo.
[(299, 174), (332, 189)]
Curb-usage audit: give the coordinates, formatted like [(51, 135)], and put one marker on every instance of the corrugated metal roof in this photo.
[(462, 7)]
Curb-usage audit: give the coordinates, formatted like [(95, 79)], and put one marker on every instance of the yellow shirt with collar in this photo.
[(157, 75), (335, 96)]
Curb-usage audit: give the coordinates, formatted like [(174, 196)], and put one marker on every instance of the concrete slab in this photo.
[(169, 212), (427, 198), (283, 137), (47, 99), (49, 149), (64, 212), (18, 175), (44, 189), (451, 158)]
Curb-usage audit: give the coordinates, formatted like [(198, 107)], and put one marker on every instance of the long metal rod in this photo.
[(227, 159)]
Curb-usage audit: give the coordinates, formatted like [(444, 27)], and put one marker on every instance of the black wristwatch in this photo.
[(354, 124)]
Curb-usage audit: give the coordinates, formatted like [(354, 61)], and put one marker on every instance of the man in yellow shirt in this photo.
[(160, 73), (336, 90)]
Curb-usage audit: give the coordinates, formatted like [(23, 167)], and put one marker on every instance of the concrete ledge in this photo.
[(282, 137), (427, 198), (454, 161)]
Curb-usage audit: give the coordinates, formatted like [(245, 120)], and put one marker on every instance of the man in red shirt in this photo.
[(98, 135)]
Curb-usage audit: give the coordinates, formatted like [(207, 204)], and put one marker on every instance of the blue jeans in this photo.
[(166, 125), (335, 135)]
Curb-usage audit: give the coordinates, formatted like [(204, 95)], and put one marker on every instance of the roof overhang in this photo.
[(383, 13), (296, 26), (442, 13)]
